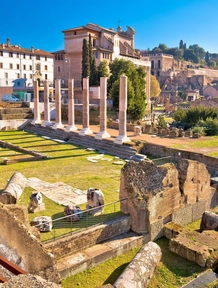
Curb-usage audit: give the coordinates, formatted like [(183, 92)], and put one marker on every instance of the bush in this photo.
[(199, 129)]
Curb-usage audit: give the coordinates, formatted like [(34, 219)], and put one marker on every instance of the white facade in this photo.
[(19, 66)]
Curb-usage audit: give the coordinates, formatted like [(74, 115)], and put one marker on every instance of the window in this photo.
[(59, 69), (18, 83), (11, 54), (96, 55), (18, 75), (6, 82), (18, 66), (58, 57), (94, 42), (74, 32), (152, 64), (1, 53), (6, 75), (24, 67), (37, 57), (158, 63), (46, 76), (1, 65), (17, 55), (45, 58), (30, 56), (24, 75), (38, 66), (61, 57), (11, 66), (31, 76), (30, 67), (46, 67), (24, 56)]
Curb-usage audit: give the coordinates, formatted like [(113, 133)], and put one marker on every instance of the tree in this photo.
[(103, 70), (181, 44), (93, 69), (85, 60), (155, 87), (207, 58), (135, 86), (163, 47)]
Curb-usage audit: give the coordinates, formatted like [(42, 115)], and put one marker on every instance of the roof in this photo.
[(91, 26), (19, 49)]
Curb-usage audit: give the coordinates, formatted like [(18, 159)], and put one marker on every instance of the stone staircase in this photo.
[(13, 111), (88, 141)]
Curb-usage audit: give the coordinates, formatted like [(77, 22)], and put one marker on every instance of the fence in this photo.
[(67, 225)]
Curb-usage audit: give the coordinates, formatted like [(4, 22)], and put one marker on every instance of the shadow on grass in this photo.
[(115, 274), (176, 264)]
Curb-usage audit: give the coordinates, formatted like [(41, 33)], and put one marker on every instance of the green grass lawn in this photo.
[(69, 164)]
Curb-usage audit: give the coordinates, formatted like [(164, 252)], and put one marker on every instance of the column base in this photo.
[(46, 123), (57, 125), (101, 135), (85, 131), (36, 121), (121, 139), (70, 128)]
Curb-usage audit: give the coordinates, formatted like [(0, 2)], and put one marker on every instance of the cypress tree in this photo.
[(93, 69), (85, 60)]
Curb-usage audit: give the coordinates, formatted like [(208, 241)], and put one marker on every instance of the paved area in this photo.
[(59, 192), (202, 280)]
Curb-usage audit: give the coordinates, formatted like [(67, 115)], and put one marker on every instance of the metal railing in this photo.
[(163, 160), (67, 225)]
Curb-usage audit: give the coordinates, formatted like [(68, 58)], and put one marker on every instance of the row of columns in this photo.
[(122, 137)]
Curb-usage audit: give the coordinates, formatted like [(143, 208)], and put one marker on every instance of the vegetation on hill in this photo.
[(203, 120), (194, 53)]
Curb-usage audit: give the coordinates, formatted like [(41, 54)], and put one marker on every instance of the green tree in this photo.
[(85, 60), (155, 87), (181, 44), (207, 58), (93, 69), (135, 86), (103, 70)]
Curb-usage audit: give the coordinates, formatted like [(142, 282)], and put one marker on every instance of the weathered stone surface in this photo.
[(194, 181), (13, 189), (43, 223), (28, 280), (194, 246), (95, 199), (74, 213), (209, 221), (140, 270), (36, 203), (152, 192), (40, 262)]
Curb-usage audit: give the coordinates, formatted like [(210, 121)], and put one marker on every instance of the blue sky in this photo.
[(40, 23)]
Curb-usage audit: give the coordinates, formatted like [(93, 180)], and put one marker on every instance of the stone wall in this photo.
[(176, 155), (159, 194), (88, 238), (33, 258)]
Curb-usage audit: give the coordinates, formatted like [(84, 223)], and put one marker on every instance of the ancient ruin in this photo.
[(95, 199), (157, 195)]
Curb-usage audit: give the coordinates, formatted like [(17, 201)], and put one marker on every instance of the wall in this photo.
[(176, 155), (88, 238), (34, 259)]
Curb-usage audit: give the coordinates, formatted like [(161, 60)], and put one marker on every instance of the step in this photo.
[(99, 253)]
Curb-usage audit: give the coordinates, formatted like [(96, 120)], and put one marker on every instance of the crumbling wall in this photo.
[(159, 194), (34, 258)]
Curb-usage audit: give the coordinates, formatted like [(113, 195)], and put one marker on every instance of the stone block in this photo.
[(183, 215), (156, 230)]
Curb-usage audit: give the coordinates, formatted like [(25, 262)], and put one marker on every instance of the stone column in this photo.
[(122, 137), (71, 116), (58, 123), (103, 110), (36, 119), (47, 121), (85, 130)]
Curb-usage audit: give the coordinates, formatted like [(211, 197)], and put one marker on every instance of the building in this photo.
[(107, 44), (20, 66), (210, 91)]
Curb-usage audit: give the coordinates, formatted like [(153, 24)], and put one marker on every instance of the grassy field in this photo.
[(68, 163)]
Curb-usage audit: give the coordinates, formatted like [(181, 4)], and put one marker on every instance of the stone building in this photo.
[(108, 45), (20, 66)]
